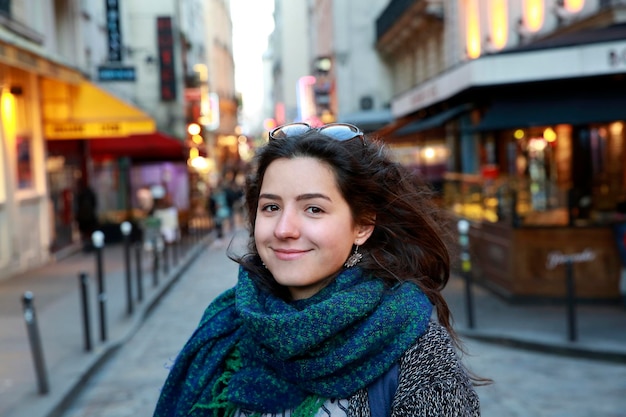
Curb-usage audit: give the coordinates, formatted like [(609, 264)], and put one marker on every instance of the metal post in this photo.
[(467, 274), (155, 262), (84, 291), (166, 262), (126, 228), (571, 301), (138, 265), (98, 242), (30, 317), (175, 249), (466, 268)]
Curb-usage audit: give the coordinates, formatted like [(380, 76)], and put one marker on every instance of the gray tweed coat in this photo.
[(432, 382)]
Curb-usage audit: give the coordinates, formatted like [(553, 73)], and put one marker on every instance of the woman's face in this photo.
[(304, 229)]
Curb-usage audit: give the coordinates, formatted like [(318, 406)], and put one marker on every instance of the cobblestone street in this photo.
[(526, 384)]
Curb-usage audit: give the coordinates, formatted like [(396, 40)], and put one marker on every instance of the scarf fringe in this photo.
[(308, 408), (219, 392)]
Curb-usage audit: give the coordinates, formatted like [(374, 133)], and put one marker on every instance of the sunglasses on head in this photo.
[(337, 131)]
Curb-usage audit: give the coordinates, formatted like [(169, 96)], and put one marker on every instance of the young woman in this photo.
[(332, 311)]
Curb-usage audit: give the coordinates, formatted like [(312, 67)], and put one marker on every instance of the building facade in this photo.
[(100, 94), (515, 109), (325, 67)]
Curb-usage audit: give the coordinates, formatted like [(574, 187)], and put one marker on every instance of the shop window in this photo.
[(607, 167), (24, 162), (17, 126), (5, 7)]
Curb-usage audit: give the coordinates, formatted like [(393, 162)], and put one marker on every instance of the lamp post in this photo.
[(97, 238), (126, 228)]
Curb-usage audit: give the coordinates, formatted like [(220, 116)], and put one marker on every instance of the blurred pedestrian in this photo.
[(86, 205), (167, 213), (219, 208), (332, 309), (233, 196)]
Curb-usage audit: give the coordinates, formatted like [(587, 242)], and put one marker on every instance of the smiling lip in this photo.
[(289, 254)]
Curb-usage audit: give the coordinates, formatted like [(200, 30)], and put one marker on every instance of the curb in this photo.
[(569, 349)]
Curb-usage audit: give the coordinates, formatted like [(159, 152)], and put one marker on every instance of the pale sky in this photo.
[(252, 24)]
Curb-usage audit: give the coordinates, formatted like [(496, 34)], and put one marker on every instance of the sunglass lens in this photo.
[(341, 132), (294, 129)]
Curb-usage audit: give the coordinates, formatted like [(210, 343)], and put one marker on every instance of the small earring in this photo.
[(355, 258)]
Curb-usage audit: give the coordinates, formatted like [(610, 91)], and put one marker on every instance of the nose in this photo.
[(287, 226)]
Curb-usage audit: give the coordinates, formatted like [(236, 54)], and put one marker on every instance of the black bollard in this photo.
[(98, 242), (166, 261), (466, 269), (469, 298), (571, 301), (155, 263), (32, 328), (126, 229), (84, 297), (175, 250), (138, 264)]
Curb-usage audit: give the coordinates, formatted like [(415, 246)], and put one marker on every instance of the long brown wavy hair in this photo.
[(411, 237)]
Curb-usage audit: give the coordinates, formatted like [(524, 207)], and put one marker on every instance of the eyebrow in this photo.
[(308, 196)]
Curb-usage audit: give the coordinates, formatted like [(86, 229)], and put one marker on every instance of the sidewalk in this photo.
[(595, 332), (57, 301), (600, 330)]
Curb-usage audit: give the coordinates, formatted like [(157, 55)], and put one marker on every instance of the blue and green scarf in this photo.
[(258, 352)]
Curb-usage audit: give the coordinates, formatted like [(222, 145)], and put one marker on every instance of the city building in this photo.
[(325, 64), (100, 95)]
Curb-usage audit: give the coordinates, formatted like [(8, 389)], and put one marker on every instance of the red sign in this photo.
[(165, 40)]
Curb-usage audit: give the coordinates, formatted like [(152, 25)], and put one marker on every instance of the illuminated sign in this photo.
[(114, 32), (165, 40), (116, 74)]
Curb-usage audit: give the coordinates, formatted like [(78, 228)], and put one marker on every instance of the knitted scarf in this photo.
[(327, 346)]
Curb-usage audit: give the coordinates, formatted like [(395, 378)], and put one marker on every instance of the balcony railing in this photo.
[(394, 10)]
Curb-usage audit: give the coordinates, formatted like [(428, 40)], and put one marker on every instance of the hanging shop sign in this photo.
[(165, 40), (114, 32), (116, 74)]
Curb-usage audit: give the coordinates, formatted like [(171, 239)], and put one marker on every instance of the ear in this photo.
[(363, 232)]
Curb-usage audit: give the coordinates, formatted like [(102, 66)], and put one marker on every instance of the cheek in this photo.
[(261, 228)]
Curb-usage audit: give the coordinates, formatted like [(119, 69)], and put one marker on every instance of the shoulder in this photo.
[(222, 305), (432, 376)]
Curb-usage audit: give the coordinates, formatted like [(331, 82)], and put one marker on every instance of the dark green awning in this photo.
[(579, 110), (432, 122)]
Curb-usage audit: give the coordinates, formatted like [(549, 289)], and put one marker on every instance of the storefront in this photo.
[(552, 188), (537, 162), (27, 214), (91, 136)]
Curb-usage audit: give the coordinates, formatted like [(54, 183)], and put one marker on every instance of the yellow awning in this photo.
[(85, 111)]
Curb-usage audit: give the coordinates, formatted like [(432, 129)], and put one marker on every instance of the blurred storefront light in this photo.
[(193, 129), (574, 6), (472, 29), (498, 20), (534, 11), (549, 135)]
